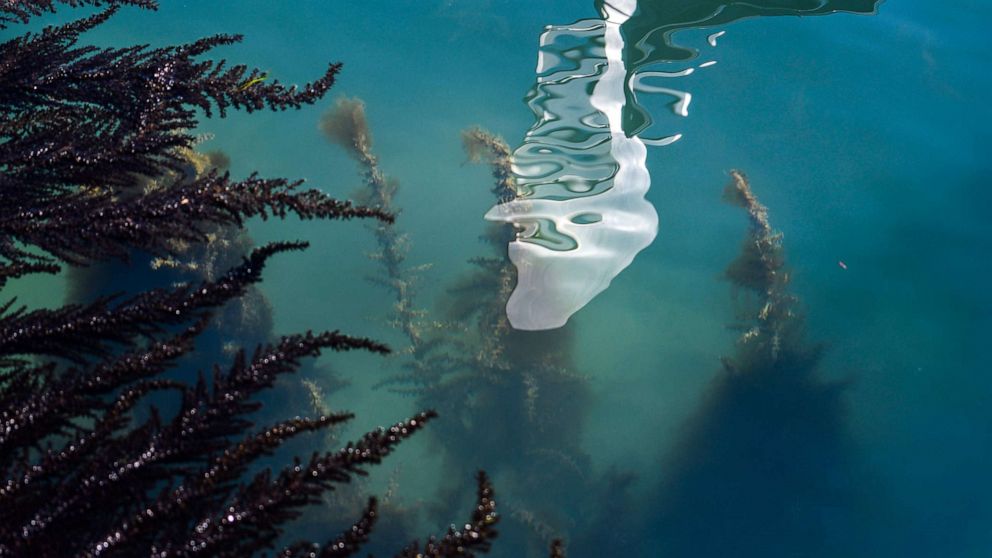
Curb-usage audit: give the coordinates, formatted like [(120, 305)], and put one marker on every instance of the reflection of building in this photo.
[(581, 212)]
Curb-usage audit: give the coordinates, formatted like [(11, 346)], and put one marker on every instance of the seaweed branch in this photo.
[(100, 117), (83, 128), (514, 389), (347, 125), (475, 536), (768, 454), (20, 11), (105, 447), (484, 146), (108, 470), (759, 268)]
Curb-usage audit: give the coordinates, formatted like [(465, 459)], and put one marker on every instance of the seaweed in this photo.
[(516, 390), (483, 146), (522, 391), (347, 125), (768, 457), (20, 11), (759, 268), (71, 454), (84, 128), (474, 535), (96, 163)]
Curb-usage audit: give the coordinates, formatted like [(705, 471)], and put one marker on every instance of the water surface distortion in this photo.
[(580, 213)]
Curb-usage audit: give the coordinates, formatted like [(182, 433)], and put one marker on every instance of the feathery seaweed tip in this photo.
[(760, 260), (738, 192), (483, 145), (760, 266), (20, 11), (251, 521), (475, 536), (104, 118), (346, 544), (84, 129), (346, 125), (78, 332)]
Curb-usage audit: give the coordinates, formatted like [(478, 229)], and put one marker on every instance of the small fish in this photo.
[(842, 264), (251, 82)]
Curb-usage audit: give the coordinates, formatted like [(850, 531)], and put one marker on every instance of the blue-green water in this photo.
[(863, 134)]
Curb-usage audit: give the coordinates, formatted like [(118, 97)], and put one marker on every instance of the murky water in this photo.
[(865, 132)]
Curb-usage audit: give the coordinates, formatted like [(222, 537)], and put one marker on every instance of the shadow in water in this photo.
[(767, 466)]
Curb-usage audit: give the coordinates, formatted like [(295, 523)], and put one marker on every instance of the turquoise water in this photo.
[(863, 134)]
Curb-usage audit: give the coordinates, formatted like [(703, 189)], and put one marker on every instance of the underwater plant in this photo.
[(478, 372), (523, 387), (346, 125), (768, 456), (524, 391), (20, 11), (106, 448)]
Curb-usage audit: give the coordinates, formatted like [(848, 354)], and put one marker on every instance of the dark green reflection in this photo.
[(543, 232), (648, 34)]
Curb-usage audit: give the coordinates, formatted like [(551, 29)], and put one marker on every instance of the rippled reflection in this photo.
[(650, 32), (580, 211), (584, 157)]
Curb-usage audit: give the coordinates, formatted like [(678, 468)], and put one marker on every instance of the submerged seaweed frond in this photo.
[(346, 125), (484, 146), (476, 535), (346, 544), (101, 481), (768, 452), (541, 530), (498, 273), (511, 387), (760, 261), (84, 130), (80, 228), (760, 268), (84, 116), (20, 11), (79, 332), (105, 448)]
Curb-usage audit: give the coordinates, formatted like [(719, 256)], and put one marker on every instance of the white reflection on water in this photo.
[(581, 214)]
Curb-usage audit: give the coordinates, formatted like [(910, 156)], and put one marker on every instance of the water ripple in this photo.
[(581, 213)]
